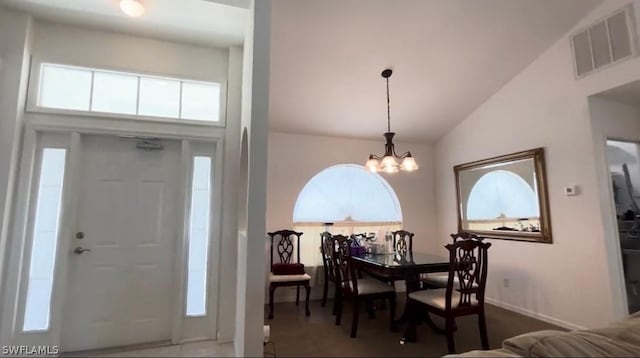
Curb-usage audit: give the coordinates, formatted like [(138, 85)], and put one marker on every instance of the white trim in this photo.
[(182, 247), (9, 329), (532, 314), (20, 251), (215, 246), (120, 126), (610, 227), (209, 321), (67, 224), (133, 117), (224, 338)]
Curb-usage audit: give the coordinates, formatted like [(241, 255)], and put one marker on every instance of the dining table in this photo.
[(407, 266)]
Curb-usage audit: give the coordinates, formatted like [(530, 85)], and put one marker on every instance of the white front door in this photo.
[(120, 292)]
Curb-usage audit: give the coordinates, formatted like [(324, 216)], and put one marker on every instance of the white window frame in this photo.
[(19, 262), (184, 325), (34, 89)]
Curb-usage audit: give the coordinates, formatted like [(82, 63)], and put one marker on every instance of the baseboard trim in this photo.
[(224, 338), (532, 314)]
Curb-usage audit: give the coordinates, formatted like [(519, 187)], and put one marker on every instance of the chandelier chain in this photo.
[(388, 108)]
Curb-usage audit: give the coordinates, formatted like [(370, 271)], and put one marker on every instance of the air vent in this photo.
[(606, 42)]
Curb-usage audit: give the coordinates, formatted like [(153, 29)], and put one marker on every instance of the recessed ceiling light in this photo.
[(132, 8)]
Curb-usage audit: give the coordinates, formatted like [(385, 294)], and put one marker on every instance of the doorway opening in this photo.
[(615, 123), (120, 240), (623, 159)]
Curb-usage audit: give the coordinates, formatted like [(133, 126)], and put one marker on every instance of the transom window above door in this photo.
[(80, 89)]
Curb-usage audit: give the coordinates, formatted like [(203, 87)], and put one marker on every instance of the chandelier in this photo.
[(388, 163)]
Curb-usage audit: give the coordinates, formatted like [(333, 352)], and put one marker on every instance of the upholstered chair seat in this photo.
[(288, 278)]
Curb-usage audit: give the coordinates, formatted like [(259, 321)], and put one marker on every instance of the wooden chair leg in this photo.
[(338, 304), (306, 301), (410, 330), (392, 313), (272, 290), (297, 295), (356, 315), (449, 332), (334, 309), (383, 305), (483, 330), (325, 291), (370, 309)]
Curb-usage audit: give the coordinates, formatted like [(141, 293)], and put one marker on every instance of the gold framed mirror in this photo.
[(505, 197)]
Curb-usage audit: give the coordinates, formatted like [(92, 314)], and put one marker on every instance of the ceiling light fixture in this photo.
[(132, 8), (388, 163)]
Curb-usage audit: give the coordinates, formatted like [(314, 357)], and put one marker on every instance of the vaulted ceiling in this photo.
[(448, 57)]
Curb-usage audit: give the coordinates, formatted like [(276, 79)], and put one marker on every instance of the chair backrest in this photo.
[(465, 236), (360, 238), (328, 248), (402, 241), (284, 240), (346, 277), (467, 262)]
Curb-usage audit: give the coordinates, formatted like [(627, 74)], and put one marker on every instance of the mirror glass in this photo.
[(504, 197)]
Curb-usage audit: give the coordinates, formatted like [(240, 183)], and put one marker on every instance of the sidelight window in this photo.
[(199, 223), (45, 237)]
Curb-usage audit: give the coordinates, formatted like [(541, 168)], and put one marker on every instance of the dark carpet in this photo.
[(317, 336)]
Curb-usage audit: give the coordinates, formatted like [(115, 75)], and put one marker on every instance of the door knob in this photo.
[(79, 250)]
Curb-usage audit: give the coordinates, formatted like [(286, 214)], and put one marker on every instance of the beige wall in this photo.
[(568, 282), (294, 159)]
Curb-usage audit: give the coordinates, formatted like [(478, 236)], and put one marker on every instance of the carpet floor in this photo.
[(293, 334)]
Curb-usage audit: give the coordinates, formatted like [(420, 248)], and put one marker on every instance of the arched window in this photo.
[(501, 194), (347, 192), (349, 196)]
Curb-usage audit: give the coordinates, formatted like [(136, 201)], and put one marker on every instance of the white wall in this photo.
[(15, 43), (72, 45), (253, 182), (228, 248), (568, 282)]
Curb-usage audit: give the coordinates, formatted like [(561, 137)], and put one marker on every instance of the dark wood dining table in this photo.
[(407, 267)]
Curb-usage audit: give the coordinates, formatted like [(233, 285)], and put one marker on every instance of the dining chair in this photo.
[(402, 245), (327, 248), (402, 241), (287, 272), (348, 285), (439, 280), (361, 237), (467, 262)]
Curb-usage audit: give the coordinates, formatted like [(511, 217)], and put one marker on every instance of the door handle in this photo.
[(79, 250)]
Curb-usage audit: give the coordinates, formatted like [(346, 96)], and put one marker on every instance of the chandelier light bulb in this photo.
[(373, 164), (132, 8), (389, 164), (409, 164)]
